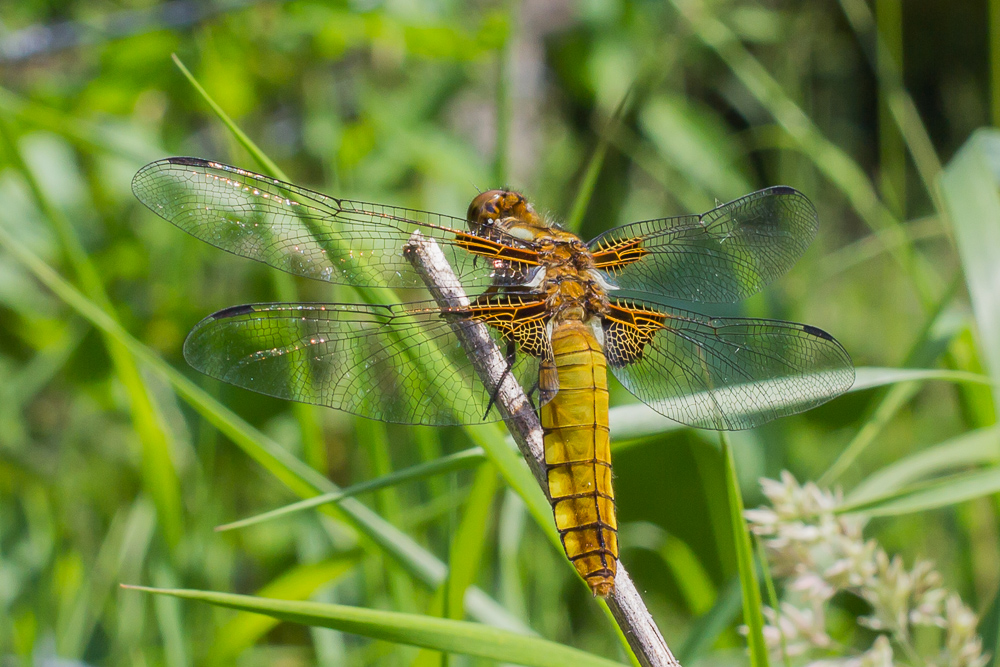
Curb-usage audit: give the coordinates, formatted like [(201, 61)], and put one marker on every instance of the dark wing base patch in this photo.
[(628, 329)]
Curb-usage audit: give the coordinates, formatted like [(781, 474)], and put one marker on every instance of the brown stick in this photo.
[(625, 603)]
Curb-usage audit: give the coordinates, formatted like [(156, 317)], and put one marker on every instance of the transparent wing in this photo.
[(722, 256), (396, 364), (308, 233), (722, 373)]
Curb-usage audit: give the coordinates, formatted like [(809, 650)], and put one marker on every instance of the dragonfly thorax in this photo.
[(569, 282)]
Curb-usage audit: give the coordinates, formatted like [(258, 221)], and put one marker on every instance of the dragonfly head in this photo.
[(507, 211)]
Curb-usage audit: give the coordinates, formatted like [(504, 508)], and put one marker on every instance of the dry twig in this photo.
[(625, 603)]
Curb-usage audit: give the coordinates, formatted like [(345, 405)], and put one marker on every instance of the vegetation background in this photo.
[(114, 470)]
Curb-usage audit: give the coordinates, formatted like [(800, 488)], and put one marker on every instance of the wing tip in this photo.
[(232, 311), (816, 331), (186, 161), (175, 160), (784, 190)]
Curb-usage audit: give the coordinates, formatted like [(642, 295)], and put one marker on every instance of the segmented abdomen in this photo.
[(578, 456)]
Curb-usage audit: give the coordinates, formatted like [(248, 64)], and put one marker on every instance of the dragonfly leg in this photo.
[(531, 393), (511, 358)]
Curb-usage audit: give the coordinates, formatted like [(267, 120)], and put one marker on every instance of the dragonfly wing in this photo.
[(722, 256), (722, 373), (401, 364), (308, 233)]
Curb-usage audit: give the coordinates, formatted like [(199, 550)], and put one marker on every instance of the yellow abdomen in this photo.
[(578, 456)]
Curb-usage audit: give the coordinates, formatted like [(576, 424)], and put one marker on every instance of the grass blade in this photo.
[(298, 583), (636, 420), (969, 188), (828, 158), (306, 415), (435, 633), (586, 190), (159, 474), (969, 449), (989, 629), (893, 401), (469, 541), (929, 345), (170, 619), (458, 461), (262, 159), (929, 495), (772, 598), (129, 534), (886, 60), (749, 585), (994, 35), (712, 624), (871, 377), (373, 438), (299, 477)]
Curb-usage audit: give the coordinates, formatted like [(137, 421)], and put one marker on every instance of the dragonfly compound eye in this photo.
[(486, 208)]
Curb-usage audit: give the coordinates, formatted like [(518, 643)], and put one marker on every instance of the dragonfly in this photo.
[(561, 311)]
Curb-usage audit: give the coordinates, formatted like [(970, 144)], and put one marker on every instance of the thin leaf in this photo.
[(689, 574), (772, 598), (299, 583), (170, 620), (931, 341), (502, 110), (299, 477), (695, 144), (158, 471), (989, 628), (582, 200), (870, 377), (512, 468), (707, 628), (893, 401), (307, 416), (269, 166), (435, 633), (828, 158), (630, 422), (650, 72), (458, 461), (694, 582), (128, 534), (373, 437), (969, 187), (929, 495), (749, 585), (886, 60), (469, 541), (969, 449)]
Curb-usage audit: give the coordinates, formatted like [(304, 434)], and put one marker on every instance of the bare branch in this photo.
[(625, 603)]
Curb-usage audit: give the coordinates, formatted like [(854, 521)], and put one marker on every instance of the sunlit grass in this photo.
[(116, 461)]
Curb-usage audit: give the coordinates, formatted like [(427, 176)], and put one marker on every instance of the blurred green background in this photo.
[(109, 473)]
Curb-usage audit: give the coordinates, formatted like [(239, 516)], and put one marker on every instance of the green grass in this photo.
[(117, 462)]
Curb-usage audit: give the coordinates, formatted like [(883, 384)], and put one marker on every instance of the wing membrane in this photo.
[(722, 256), (310, 234), (722, 373), (396, 364)]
